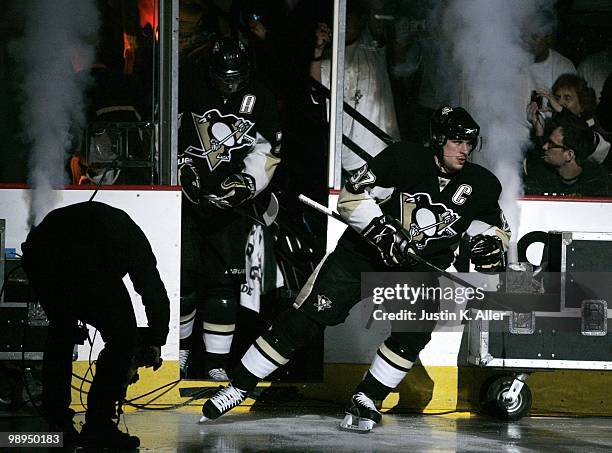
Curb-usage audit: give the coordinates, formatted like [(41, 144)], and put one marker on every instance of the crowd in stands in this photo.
[(393, 77)]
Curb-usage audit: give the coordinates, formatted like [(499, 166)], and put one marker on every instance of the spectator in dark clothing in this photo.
[(604, 109), (265, 25), (75, 260), (569, 144), (570, 95), (574, 94)]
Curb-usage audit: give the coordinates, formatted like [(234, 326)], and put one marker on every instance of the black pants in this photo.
[(326, 300), (103, 302), (335, 288), (212, 272), (212, 252)]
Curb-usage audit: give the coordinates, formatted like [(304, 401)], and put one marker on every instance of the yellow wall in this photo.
[(432, 389)]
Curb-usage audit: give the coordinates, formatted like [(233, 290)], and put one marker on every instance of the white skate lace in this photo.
[(227, 398), (183, 357), (362, 399), (218, 374)]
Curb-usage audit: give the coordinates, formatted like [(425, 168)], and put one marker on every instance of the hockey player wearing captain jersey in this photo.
[(385, 203), (228, 150)]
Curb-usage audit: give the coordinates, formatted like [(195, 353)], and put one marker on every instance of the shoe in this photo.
[(361, 415), (71, 435), (107, 435), (218, 375), (183, 361), (221, 402)]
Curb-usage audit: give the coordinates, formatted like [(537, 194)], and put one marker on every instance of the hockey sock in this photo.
[(187, 319), (185, 344), (393, 360), (373, 388), (219, 323), (218, 337), (213, 360), (243, 379), (262, 359), (186, 325), (291, 330)]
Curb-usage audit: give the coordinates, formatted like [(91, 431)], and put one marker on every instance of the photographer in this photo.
[(570, 95), (75, 260), (569, 92)]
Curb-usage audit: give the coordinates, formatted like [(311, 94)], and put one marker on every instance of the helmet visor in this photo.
[(230, 85)]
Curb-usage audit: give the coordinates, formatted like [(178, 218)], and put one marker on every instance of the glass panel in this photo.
[(494, 61), (370, 120), (79, 97)]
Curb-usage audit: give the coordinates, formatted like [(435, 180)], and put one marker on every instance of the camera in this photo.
[(537, 99), (256, 17), (417, 26), (145, 355)]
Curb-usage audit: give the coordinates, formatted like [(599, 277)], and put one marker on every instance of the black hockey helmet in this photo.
[(453, 123), (229, 65)]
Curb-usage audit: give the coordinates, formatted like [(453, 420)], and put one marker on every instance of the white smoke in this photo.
[(489, 61), (57, 51)]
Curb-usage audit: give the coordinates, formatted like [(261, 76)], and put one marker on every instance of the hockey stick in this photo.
[(319, 207), (325, 210)]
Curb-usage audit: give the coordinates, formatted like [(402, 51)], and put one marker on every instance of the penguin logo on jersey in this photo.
[(220, 135), (322, 303), (425, 220)]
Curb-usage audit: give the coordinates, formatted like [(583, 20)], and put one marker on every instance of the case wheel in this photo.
[(495, 403)]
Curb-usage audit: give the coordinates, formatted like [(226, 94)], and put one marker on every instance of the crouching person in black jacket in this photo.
[(75, 260)]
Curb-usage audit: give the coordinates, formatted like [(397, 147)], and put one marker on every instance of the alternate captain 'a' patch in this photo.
[(220, 135), (425, 220)]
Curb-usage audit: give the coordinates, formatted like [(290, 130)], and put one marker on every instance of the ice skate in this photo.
[(362, 415), (217, 375), (221, 402), (183, 362)]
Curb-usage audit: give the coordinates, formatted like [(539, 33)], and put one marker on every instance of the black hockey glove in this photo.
[(190, 182), (235, 190), (389, 237), (487, 253)]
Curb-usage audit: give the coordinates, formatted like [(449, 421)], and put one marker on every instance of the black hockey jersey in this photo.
[(219, 136), (403, 181)]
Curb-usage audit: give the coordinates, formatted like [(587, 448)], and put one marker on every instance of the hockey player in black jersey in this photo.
[(408, 199), (229, 147)]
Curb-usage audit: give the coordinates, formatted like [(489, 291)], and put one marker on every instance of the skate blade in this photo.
[(363, 426), (204, 419)]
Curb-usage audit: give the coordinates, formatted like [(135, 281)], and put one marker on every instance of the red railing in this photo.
[(92, 187)]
